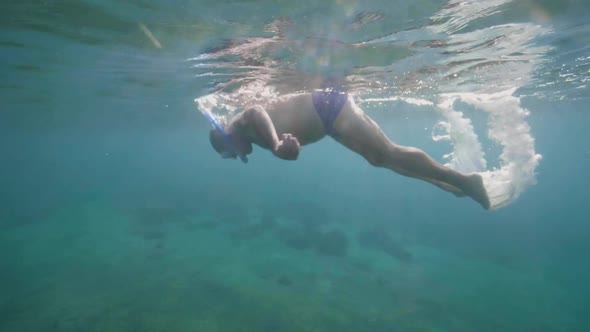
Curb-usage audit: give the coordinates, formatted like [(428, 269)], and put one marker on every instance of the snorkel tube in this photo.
[(225, 135)]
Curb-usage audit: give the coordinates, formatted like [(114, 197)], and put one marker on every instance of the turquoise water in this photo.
[(117, 215)]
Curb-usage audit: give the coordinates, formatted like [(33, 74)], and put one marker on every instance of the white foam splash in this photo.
[(224, 106), (212, 103), (467, 156), (409, 100), (507, 127)]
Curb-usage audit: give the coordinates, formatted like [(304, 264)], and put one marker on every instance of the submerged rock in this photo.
[(303, 237), (246, 232), (381, 240), (153, 234), (252, 229), (157, 216), (284, 280), (332, 243), (294, 238)]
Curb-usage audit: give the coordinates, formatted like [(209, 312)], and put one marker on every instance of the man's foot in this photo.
[(476, 190)]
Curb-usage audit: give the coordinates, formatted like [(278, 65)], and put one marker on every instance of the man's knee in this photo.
[(377, 157)]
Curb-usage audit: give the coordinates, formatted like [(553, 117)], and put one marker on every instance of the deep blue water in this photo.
[(117, 215)]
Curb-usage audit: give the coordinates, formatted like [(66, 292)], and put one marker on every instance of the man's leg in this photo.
[(361, 134)]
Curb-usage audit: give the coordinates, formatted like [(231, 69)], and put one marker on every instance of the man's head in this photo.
[(220, 144), (227, 144), (230, 145)]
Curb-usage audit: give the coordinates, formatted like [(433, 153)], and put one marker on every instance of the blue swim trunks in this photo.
[(328, 102)]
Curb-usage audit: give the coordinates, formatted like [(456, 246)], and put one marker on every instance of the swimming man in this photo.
[(299, 119)]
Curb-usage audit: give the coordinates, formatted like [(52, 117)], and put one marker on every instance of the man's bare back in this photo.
[(294, 120)]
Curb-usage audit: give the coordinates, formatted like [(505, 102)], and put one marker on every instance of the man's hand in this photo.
[(288, 147)]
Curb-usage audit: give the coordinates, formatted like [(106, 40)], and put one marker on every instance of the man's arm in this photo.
[(256, 124)]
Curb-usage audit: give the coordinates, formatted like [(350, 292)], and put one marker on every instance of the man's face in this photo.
[(228, 153), (220, 145)]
